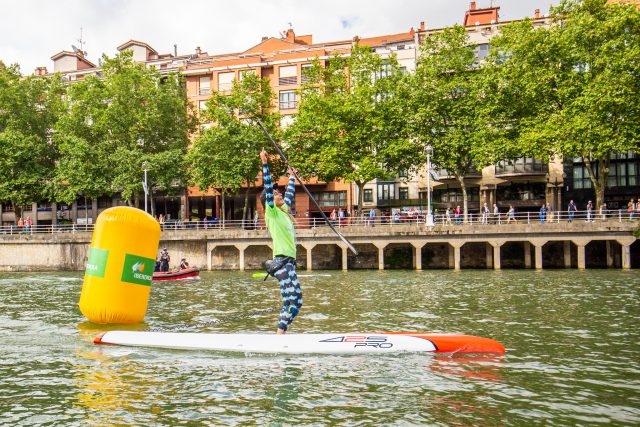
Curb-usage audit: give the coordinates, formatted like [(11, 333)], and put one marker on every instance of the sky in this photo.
[(31, 31)]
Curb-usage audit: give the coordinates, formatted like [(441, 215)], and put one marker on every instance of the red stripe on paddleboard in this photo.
[(453, 343)]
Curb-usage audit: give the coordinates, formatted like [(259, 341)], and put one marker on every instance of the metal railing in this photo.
[(440, 219)]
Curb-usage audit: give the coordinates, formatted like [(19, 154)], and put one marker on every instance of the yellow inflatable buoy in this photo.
[(119, 270)]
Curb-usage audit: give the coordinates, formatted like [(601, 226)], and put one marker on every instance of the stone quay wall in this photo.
[(552, 245)]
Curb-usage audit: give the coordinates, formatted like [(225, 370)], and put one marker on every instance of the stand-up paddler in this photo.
[(281, 226)]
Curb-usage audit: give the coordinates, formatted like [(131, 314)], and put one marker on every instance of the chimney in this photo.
[(198, 51), (41, 71), (421, 25), (473, 6), (537, 15), (291, 36), (175, 50), (264, 38)]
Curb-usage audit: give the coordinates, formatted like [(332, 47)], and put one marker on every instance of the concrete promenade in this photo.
[(552, 245)]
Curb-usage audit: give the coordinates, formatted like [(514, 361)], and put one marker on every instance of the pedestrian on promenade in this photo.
[(589, 210), (543, 213), (637, 208), (630, 208), (571, 210), (20, 225), (332, 217), (496, 214), (485, 214), (256, 221), (549, 212), (281, 226), (28, 223), (447, 214), (457, 214), (511, 214), (372, 217), (340, 217)]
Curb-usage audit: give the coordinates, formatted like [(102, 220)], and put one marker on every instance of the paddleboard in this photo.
[(339, 343)]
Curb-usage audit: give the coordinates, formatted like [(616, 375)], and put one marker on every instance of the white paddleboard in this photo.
[(339, 343)]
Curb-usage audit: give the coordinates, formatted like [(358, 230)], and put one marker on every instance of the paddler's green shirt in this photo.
[(282, 230)]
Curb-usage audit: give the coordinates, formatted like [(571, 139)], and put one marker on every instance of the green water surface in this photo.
[(572, 339)]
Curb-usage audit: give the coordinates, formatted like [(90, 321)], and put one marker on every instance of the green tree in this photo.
[(225, 155), (29, 108), (447, 91), (574, 85), (351, 123), (117, 121)]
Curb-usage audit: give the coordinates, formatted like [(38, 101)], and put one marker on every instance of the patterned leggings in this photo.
[(291, 294)]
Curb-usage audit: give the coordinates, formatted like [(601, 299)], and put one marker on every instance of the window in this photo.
[(521, 165), (384, 71), (386, 192), (245, 73), (367, 195), (205, 85), (482, 51), (403, 193), (104, 202), (288, 75), (225, 81), (306, 69), (454, 195), (202, 105), (287, 99), (403, 173), (331, 199)]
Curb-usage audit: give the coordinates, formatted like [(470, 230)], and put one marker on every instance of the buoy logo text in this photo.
[(134, 268), (96, 262)]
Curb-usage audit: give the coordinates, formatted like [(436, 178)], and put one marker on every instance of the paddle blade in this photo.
[(259, 275)]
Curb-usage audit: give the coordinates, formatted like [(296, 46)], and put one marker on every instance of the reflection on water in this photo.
[(571, 337)]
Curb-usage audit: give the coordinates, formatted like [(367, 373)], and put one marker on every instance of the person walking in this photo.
[(281, 226), (485, 214), (543, 213), (603, 212), (20, 225), (447, 214), (28, 223), (496, 214), (549, 212), (589, 210), (571, 210), (630, 208), (457, 214), (332, 217), (372, 217), (511, 214)]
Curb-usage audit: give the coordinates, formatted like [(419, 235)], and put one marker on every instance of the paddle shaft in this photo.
[(295, 173)]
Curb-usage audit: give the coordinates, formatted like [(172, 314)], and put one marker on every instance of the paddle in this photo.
[(304, 187)]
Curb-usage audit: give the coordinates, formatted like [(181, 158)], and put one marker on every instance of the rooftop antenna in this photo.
[(81, 41), (290, 25)]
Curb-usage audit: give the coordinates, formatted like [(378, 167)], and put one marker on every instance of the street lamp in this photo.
[(428, 150), (145, 167)]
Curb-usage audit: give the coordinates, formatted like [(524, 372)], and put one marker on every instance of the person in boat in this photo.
[(157, 266), (281, 226), (184, 264), (164, 260)]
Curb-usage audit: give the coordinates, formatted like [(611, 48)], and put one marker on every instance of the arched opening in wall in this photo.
[(512, 255), (553, 255), (603, 254), (367, 257), (326, 257), (398, 256), (473, 255), (255, 255), (225, 258), (635, 254), (436, 256)]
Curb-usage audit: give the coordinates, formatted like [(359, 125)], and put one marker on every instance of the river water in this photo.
[(572, 339)]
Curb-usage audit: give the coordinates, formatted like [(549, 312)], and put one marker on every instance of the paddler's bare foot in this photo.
[(280, 332)]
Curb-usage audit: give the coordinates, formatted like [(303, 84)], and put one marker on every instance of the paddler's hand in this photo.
[(264, 156)]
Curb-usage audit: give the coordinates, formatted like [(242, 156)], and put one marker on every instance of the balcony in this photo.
[(523, 166)]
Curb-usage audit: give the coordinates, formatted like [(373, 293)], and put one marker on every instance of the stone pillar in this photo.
[(380, 257), (417, 255), (344, 258), (184, 202), (626, 257), (94, 209), (34, 211), (241, 251), (527, 255), (567, 254), (54, 213), (74, 212), (451, 256), (456, 258), (489, 255), (210, 249), (609, 243), (309, 258), (538, 253), (581, 257), (496, 256)]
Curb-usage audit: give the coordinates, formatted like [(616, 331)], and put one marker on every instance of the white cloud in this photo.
[(31, 31)]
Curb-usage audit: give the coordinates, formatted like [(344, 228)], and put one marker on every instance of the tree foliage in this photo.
[(225, 155), (118, 121), (574, 87), (28, 109), (351, 123)]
